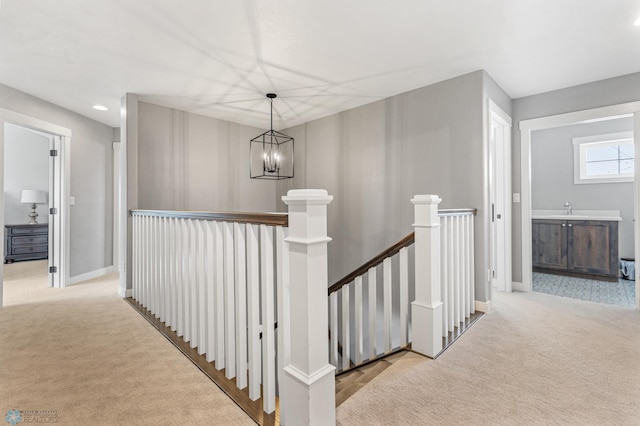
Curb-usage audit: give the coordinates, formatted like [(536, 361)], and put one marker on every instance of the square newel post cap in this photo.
[(426, 199), (307, 196)]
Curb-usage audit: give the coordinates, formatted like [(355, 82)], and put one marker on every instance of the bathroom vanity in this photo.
[(585, 242)]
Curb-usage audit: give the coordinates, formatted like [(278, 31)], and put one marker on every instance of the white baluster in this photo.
[(241, 304), (404, 296), (193, 284), (472, 285), (346, 341), (229, 294), (333, 318), (387, 299), (372, 281), (218, 274), (135, 229), (358, 337), (200, 226), (444, 275), (211, 290), (180, 303), (451, 274), (173, 294), (253, 317), (268, 314)]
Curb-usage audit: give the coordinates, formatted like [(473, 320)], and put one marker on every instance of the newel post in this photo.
[(309, 378), (426, 310)]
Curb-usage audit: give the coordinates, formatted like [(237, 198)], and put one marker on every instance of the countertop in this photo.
[(608, 215)]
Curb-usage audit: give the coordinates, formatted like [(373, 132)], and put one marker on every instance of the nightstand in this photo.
[(26, 242)]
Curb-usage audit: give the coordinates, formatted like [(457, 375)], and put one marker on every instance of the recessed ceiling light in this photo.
[(100, 107), (637, 22)]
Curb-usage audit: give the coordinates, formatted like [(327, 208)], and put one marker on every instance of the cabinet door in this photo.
[(593, 247), (549, 244)]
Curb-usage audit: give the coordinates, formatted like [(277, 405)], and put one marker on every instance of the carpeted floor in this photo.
[(82, 356), (535, 360)]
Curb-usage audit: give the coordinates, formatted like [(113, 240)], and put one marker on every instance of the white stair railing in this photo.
[(214, 279), (434, 266)]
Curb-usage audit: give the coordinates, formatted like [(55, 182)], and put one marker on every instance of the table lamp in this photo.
[(33, 197)]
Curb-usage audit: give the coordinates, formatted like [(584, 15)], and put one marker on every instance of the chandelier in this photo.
[(271, 153)]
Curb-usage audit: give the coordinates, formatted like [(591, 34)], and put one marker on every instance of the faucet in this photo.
[(569, 208)]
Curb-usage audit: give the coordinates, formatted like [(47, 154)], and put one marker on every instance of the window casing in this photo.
[(606, 158)]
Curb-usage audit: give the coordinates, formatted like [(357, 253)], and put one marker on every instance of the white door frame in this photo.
[(60, 195), (559, 120), (502, 245)]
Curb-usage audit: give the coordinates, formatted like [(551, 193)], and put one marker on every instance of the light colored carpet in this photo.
[(535, 360), (85, 354)]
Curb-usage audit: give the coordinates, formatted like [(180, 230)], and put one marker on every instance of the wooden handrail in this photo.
[(405, 242), (375, 261), (457, 212), (274, 219)]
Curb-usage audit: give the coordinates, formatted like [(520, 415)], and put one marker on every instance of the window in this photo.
[(604, 158)]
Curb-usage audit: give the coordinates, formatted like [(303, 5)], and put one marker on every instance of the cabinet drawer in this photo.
[(29, 249), (30, 240), (28, 231)]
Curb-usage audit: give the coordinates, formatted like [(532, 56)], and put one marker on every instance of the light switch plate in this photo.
[(516, 197), (72, 201)]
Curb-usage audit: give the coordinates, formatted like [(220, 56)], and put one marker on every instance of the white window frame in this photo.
[(579, 157)]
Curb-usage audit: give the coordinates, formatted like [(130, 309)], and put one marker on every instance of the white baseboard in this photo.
[(90, 275), (127, 293), (483, 306), (516, 286)]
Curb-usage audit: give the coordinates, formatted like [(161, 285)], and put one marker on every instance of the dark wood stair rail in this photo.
[(375, 261), (405, 242), (273, 219)]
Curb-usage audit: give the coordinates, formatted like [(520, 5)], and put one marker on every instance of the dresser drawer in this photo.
[(30, 240), (30, 249), (28, 230)]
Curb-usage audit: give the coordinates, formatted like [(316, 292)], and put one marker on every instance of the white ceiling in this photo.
[(220, 57)]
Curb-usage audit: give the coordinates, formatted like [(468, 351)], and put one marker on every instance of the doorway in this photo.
[(631, 109), (57, 210)]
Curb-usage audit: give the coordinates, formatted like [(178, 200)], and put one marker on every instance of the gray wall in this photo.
[(552, 177), (26, 166), (191, 162), (601, 93), (91, 179), (375, 158)]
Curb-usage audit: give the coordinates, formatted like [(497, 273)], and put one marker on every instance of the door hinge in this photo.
[(53, 153), (53, 210), (53, 269)]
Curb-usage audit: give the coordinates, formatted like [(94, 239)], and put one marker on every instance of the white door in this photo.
[(500, 198)]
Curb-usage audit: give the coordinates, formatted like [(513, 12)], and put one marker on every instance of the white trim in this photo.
[(127, 293), (62, 178), (582, 144), (501, 117), (577, 117), (33, 123), (91, 275), (483, 306), (518, 286)]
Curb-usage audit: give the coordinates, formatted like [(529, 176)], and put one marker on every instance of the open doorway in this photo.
[(527, 129), (56, 142)]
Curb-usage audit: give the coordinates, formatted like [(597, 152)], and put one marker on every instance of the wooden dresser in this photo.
[(26, 242)]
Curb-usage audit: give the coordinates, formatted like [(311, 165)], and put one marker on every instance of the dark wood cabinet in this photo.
[(549, 244), (26, 242), (576, 246)]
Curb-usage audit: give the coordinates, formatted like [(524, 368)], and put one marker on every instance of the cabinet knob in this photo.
[(570, 225), (564, 224)]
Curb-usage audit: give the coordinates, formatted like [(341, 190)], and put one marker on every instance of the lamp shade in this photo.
[(30, 196)]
